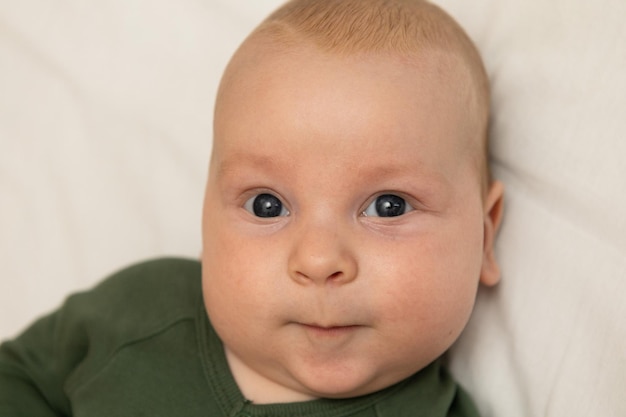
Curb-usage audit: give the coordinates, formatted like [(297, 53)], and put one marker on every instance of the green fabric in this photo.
[(140, 344)]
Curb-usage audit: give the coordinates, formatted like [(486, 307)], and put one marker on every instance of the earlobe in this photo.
[(490, 273)]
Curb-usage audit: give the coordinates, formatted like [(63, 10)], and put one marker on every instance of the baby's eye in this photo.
[(266, 205), (387, 205)]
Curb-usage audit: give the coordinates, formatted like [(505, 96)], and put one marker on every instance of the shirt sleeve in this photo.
[(34, 369)]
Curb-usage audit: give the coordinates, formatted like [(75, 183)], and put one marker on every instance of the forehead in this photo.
[(340, 108)]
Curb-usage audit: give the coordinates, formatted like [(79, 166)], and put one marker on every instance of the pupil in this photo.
[(390, 205), (267, 205)]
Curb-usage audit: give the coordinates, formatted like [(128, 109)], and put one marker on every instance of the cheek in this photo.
[(225, 256), (237, 275), (430, 286), (225, 264)]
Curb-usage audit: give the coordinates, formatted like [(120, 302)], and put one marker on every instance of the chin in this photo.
[(339, 392), (344, 384)]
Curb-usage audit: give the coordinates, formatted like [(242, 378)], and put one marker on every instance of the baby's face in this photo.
[(343, 223)]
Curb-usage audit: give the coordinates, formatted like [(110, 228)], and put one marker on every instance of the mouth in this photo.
[(329, 330)]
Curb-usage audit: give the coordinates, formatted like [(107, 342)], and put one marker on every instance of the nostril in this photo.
[(336, 275)]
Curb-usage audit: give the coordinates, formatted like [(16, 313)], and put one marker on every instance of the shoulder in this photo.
[(71, 345), (152, 278), (134, 305), (146, 294)]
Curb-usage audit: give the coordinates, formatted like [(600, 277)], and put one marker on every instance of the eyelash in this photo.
[(268, 205)]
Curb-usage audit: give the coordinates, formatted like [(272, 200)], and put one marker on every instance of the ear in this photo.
[(490, 273)]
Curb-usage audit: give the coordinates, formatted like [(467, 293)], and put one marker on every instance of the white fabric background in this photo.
[(105, 131)]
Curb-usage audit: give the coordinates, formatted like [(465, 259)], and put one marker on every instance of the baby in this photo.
[(349, 218)]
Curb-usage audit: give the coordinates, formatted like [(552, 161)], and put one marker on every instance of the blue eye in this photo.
[(387, 205), (266, 205)]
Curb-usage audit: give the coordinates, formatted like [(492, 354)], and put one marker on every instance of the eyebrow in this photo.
[(239, 160)]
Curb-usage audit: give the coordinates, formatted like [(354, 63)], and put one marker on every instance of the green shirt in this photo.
[(141, 344)]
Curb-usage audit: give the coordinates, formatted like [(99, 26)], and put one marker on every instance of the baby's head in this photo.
[(349, 215)]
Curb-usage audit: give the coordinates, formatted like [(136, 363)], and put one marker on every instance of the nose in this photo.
[(322, 255)]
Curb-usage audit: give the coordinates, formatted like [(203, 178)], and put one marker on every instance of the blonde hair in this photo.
[(404, 28), (351, 26)]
